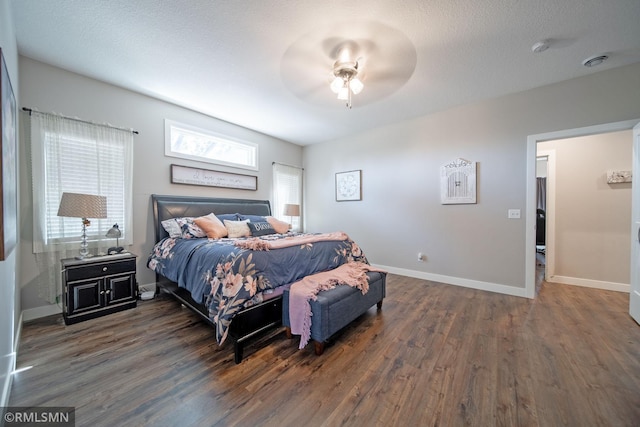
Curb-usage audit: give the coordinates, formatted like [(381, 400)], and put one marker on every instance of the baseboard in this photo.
[(588, 283), (457, 281), (38, 312)]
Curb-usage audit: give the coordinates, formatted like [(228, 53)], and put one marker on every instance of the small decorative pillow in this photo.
[(172, 227), (189, 229), (261, 228), (237, 228), (280, 226), (212, 226)]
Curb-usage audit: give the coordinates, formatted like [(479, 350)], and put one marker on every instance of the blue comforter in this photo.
[(226, 278)]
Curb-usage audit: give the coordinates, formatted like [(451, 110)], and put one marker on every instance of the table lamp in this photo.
[(77, 205), (115, 232), (291, 210)]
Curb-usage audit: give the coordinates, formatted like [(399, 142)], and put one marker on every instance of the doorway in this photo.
[(531, 201), (544, 161)]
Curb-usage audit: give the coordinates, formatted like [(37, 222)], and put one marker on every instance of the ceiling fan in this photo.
[(346, 75), (366, 59)]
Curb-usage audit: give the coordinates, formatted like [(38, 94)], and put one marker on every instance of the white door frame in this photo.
[(634, 293), (530, 209)]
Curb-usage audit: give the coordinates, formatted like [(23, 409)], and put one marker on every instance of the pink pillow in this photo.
[(280, 226), (212, 226)]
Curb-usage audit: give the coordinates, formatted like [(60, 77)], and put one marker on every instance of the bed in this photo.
[(234, 287)]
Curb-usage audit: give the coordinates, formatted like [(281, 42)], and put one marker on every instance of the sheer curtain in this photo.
[(287, 189), (69, 155)]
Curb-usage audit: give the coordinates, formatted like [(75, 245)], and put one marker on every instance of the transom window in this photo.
[(189, 142)]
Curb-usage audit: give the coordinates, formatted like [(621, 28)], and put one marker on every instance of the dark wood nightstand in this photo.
[(96, 286)]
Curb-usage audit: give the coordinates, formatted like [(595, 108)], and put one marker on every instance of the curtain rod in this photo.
[(284, 164), (30, 111)]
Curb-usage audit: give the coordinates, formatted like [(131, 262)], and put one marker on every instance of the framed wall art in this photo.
[(9, 167), (458, 182), (212, 178), (618, 177), (349, 186)]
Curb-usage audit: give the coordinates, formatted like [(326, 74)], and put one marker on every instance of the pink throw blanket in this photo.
[(303, 291), (258, 244)]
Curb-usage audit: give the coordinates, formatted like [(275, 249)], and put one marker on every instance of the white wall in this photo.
[(9, 299), (400, 214), (49, 89), (592, 218)]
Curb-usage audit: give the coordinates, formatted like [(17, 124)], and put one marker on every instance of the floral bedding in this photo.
[(227, 278)]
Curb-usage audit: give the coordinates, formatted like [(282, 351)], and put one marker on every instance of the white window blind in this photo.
[(287, 189), (77, 157)]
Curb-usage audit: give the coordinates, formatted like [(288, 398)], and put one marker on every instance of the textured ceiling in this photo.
[(236, 60)]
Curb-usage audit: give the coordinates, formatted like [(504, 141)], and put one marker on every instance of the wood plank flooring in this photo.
[(435, 355)]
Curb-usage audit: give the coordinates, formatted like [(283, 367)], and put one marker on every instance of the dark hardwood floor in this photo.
[(436, 355)]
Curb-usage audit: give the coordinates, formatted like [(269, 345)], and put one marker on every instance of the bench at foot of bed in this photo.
[(336, 308)]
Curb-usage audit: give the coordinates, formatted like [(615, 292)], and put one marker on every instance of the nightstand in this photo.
[(96, 286)]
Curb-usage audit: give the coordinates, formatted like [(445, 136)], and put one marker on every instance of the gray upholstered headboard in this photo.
[(165, 207)]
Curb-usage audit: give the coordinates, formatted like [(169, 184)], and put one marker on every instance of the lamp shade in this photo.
[(78, 205), (291, 210), (114, 232)]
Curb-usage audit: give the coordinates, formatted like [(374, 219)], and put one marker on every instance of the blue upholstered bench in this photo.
[(336, 308)]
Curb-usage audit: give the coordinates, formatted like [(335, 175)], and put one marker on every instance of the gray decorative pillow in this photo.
[(261, 228)]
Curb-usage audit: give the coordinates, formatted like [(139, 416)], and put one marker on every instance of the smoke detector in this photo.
[(540, 46), (594, 60)]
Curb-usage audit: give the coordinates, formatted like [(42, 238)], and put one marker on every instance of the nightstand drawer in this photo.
[(100, 269)]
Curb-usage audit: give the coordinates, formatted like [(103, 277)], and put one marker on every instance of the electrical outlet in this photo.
[(514, 214)]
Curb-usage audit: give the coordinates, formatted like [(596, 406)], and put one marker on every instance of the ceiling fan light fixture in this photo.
[(346, 81), (343, 93), (337, 84), (356, 85)]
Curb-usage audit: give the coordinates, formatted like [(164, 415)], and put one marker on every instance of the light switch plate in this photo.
[(514, 214)]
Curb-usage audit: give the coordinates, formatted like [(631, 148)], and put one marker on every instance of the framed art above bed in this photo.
[(212, 178)]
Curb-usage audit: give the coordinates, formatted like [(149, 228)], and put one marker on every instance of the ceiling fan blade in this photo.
[(385, 57)]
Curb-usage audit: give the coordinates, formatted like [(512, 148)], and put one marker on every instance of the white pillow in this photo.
[(237, 228)]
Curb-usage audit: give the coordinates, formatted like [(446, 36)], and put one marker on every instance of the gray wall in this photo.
[(592, 218), (9, 297), (401, 215), (49, 89)]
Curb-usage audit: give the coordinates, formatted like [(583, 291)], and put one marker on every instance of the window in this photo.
[(189, 142), (73, 156), (287, 189)]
